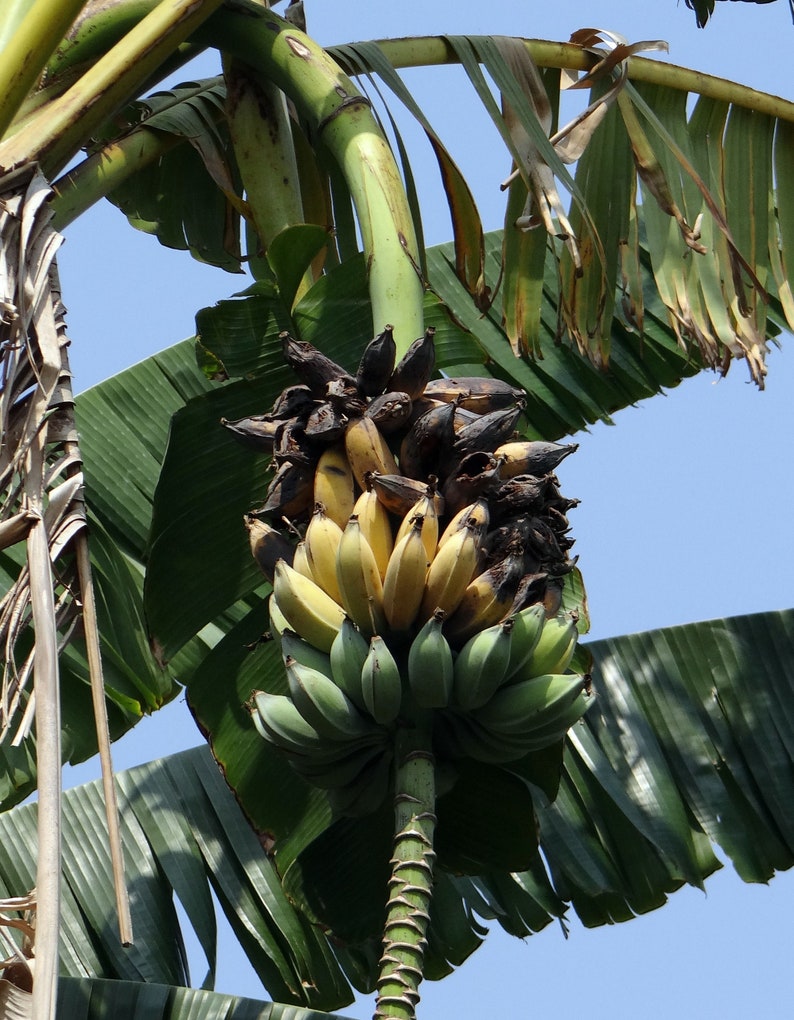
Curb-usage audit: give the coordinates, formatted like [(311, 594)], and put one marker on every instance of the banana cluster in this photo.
[(418, 549)]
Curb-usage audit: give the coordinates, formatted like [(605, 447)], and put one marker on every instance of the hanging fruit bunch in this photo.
[(418, 552)]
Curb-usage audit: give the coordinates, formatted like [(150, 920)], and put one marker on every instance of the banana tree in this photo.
[(281, 164)]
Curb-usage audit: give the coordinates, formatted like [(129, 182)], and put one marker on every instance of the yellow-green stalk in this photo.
[(342, 119), (60, 129), (26, 44)]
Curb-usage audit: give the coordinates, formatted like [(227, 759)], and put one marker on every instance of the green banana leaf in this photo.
[(166, 414), (195, 501), (205, 217), (688, 746), (95, 999), (694, 186), (184, 836)]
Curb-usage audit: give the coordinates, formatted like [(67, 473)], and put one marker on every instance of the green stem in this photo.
[(60, 129), (105, 170), (343, 121), (411, 882), (27, 50)]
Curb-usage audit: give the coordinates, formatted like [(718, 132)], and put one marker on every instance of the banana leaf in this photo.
[(686, 749), (195, 502), (96, 998), (168, 413), (190, 196)]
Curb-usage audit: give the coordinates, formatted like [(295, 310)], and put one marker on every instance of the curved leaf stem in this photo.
[(430, 51), (411, 882)]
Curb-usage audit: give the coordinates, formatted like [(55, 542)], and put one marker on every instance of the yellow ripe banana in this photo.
[(300, 561), (450, 572), (426, 508), (368, 451), (487, 599), (322, 542), (359, 580), (311, 613), (477, 513), (333, 484), (373, 518), (404, 584)]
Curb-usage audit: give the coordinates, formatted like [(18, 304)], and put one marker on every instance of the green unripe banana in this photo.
[(366, 792), (323, 705), (531, 704), (348, 654), (430, 667), (555, 647), (527, 628), (459, 735), (381, 683), (281, 724), (304, 653), (336, 774), (481, 665), (544, 736)]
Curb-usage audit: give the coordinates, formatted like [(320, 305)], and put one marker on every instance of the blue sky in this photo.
[(684, 514)]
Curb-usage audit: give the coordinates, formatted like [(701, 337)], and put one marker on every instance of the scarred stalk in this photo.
[(411, 881)]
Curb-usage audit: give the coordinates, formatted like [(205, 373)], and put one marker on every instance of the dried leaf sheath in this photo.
[(41, 482)]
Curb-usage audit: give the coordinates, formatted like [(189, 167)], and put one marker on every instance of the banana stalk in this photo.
[(411, 881)]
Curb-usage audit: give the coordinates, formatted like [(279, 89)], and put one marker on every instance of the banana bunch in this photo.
[(418, 549)]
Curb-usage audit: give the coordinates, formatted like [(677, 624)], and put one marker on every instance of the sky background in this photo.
[(684, 514)]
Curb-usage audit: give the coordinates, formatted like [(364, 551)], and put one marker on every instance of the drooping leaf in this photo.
[(466, 225), (190, 197), (183, 835), (664, 137)]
